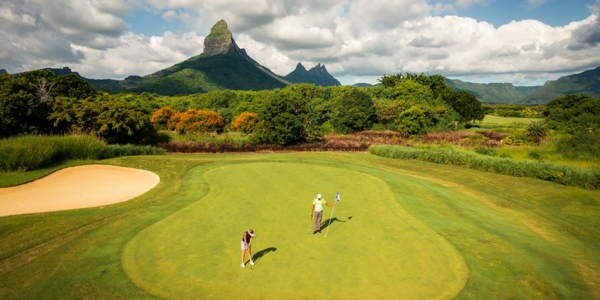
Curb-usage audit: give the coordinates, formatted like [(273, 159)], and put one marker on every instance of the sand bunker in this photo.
[(76, 187)]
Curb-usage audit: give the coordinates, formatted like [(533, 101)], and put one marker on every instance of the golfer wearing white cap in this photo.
[(317, 209), (247, 237)]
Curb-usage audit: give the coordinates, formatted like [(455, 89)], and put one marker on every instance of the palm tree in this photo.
[(537, 130)]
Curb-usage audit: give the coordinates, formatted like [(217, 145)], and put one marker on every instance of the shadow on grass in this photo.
[(258, 255), (330, 222)]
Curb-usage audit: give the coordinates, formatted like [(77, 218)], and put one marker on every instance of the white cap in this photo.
[(319, 196)]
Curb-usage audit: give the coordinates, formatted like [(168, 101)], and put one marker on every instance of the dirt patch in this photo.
[(76, 187)]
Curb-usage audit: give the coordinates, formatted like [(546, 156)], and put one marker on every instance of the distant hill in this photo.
[(493, 92), (363, 84), (587, 82), (2, 71), (317, 75)]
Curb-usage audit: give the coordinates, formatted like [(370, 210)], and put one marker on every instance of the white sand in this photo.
[(76, 187)]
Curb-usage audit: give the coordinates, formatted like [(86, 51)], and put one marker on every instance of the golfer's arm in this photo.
[(312, 209)]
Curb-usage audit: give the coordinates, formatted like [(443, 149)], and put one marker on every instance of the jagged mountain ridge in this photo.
[(317, 75), (222, 65)]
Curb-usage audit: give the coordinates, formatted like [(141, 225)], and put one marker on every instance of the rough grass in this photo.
[(30, 152), (519, 237)]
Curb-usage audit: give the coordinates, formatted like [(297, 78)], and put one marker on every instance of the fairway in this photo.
[(402, 230), (374, 248)]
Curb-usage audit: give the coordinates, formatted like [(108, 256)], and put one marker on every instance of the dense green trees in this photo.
[(282, 118), (466, 105), (21, 109), (573, 114), (430, 88), (353, 110), (104, 116), (40, 102)]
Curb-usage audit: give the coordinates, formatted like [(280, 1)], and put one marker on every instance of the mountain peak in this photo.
[(300, 67), (219, 40), (317, 75)]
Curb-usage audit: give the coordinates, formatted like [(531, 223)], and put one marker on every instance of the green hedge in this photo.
[(567, 175), (29, 152)]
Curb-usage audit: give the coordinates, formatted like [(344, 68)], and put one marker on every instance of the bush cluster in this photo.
[(562, 174)]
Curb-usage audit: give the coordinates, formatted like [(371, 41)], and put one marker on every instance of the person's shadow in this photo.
[(330, 222), (258, 255)]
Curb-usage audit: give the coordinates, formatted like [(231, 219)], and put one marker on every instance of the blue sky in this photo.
[(551, 12), (524, 42)]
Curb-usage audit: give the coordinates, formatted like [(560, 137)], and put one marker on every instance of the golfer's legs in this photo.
[(318, 216)]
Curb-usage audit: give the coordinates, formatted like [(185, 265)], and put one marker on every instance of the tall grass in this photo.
[(30, 152), (129, 150), (563, 174)]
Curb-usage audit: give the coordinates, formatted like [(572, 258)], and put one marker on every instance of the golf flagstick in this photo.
[(337, 198)]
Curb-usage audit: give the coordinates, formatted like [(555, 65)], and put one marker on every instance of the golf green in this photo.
[(374, 248)]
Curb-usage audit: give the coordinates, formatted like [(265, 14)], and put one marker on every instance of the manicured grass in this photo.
[(489, 119), (404, 229), (191, 251)]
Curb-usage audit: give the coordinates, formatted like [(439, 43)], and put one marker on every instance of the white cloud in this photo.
[(116, 7), (169, 15), (156, 53), (354, 38), (16, 19)]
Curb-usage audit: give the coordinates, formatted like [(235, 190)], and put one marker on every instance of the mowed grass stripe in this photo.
[(374, 247)]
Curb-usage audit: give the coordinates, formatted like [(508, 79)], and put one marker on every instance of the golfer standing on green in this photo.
[(247, 237), (317, 209)]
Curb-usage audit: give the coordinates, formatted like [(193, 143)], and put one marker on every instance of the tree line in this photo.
[(39, 102)]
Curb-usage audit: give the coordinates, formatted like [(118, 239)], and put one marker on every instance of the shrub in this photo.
[(197, 121), (411, 121), (245, 122), (537, 130), (486, 151), (567, 175), (161, 118), (580, 146)]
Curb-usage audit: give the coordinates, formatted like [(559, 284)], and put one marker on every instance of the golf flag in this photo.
[(337, 196)]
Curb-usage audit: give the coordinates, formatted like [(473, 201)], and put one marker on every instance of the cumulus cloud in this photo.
[(355, 39), (139, 55), (116, 7), (169, 15)]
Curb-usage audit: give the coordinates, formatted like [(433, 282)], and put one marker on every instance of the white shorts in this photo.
[(243, 246)]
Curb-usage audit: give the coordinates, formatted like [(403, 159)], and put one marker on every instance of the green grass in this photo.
[(502, 123), (404, 229)]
